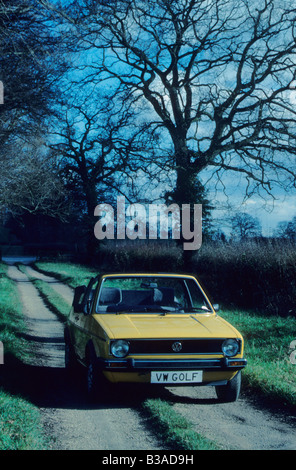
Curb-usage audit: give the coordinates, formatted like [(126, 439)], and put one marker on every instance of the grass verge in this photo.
[(72, 274), (20, 427), (173, 429), (11, 317), (267, 340), (56, 303)]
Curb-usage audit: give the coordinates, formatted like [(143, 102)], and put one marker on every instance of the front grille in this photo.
[(164, 346)]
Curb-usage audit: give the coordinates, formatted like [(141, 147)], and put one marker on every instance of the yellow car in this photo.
[(152, 328)]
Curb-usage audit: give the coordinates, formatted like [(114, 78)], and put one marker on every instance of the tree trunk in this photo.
[(185, 193), (92, 244)]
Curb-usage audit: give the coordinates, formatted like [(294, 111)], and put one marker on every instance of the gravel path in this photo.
[(43, 329), (243, 425)]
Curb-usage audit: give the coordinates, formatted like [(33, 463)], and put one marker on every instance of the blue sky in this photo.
[(269, 210)]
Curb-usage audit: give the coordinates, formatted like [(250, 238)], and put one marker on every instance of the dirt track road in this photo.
[(117, 424)]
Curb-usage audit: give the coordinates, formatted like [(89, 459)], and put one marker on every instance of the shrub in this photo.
[(250, 275), (257, 275), (162, 257)]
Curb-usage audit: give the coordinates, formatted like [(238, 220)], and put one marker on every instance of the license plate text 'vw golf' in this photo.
[(172, 377)]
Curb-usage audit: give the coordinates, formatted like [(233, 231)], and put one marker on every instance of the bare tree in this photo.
[(216, 76), (286, 229), (97, 151), (245, 226), (30, 183), (98, 147), (30, 64)]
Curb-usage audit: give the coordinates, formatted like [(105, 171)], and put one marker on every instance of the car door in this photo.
[(81, 321)]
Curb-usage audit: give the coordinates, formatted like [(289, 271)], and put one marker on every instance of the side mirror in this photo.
[(87, 306), (88, 297), (78, 297), (216, 307)]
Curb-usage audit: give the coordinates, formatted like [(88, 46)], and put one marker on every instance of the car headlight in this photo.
[(120, 348), (230, 347)]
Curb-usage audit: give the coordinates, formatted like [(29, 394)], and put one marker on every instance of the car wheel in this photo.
[(230, 392)]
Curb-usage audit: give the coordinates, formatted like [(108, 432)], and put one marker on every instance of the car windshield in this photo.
[(157, 294)]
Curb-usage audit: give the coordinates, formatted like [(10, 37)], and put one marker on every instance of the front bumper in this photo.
[(147, 365)]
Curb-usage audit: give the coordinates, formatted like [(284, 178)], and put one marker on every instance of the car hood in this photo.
[(165, 326)]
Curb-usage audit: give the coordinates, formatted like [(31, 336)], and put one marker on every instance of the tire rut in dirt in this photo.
[(243, 425), (45, 334), (62, 289)]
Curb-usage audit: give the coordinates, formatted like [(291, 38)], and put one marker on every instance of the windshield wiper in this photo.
[(197, 309), (160, 310), (129, 310)]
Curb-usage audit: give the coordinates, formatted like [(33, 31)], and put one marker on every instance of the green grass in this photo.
[(72, 274), (55, 302), (267, 339), (52, 299), (11, 317), (20, 427)]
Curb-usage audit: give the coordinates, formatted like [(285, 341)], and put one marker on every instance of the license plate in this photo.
[(176, 377)]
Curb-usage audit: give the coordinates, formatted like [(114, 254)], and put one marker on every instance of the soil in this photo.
[(117, 423)]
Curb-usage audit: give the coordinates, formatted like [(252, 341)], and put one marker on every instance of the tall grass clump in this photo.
[(174, 429), (141, 257)]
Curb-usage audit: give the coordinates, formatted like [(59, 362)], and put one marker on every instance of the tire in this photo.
[(230, 392)]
